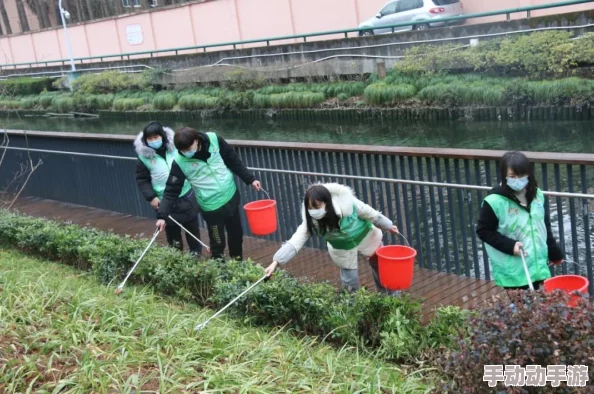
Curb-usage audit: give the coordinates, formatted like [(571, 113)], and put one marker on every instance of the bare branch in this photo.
[(26, 169), (4, 144)]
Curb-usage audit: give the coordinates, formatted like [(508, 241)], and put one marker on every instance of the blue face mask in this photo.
[(517, 184), (155, 144), (189, 154)]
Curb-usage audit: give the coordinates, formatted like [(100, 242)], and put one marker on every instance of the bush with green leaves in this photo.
[(389, 324), (532, 55), (25, 86), (111, 82)]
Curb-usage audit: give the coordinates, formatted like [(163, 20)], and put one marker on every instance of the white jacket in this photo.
[(343, 201)]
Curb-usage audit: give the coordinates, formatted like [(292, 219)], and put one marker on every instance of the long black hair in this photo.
[(317, 194), (153, 129), (521, 166)]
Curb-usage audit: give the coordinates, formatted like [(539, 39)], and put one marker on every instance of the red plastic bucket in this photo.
[(261, 216), (396, 266), (569, 284)]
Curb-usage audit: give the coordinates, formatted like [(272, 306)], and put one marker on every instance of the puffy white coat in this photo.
[(143, 150), (343, 201)]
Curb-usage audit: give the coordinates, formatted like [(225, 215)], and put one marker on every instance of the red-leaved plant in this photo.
[(522, 328)]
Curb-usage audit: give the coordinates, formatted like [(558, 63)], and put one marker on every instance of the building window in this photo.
[(155, 3)]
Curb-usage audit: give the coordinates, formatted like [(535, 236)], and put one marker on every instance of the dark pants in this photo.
[(226, 219), (175, 239), (185, 211), (536, 285)]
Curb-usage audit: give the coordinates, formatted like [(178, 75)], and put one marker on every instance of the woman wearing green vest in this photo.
[(208, 163), (513, 219), (349, 227), (156, 152)]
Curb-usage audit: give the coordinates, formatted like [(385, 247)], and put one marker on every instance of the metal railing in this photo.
[(433, 195), (304, 37)]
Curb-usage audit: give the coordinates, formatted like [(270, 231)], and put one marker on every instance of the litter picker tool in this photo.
[(202, 325), (192, 235), (526, 270), (121, 286)]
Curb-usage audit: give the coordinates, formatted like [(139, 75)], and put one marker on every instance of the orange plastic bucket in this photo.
[(261, 216), (569, 284), (396, 266)]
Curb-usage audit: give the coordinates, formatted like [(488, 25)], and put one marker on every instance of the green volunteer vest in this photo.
[(159, 169), (529, 229), (213, 182), (352, 231)]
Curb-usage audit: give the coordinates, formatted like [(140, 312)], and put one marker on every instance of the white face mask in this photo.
[(317, 214)]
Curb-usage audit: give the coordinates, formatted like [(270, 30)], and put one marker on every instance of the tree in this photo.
[(5, 18)]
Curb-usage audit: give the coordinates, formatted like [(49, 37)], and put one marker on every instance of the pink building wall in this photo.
[(214, 22)]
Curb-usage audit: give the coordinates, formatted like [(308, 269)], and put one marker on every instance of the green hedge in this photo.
[(24, 86), (533, 55), (390, 325)]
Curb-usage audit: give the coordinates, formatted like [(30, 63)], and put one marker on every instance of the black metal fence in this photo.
[(433, 195)]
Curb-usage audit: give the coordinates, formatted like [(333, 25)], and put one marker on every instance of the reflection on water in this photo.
[(559, 136)]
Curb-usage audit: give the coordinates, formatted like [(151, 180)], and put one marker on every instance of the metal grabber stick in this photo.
[(526, 270), (193, 236), (121, 286), (202, 325)]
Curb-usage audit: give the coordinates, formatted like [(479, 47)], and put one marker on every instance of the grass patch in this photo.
[(198, 101), (164, 101), (61, 332), (63, 104), (382, 93), (127, 104), (289, 100)]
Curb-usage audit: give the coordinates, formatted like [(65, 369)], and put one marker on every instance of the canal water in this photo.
[(543, 136)]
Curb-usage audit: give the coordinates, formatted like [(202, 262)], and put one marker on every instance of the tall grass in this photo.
[(459, 93), (127, 104), (104, 101), (29, 102), (61, 332), (396, 88), (350, 89), (164, 101), (146, 97), (382, 93), (289, 100), (559, 91), (63, 104), (46, 99), (198, 101), (8, 104)]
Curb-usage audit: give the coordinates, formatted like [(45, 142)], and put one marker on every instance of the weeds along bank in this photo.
[(537, 329), (541, 69)]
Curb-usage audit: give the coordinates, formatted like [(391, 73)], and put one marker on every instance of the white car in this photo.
[(418, 12)]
